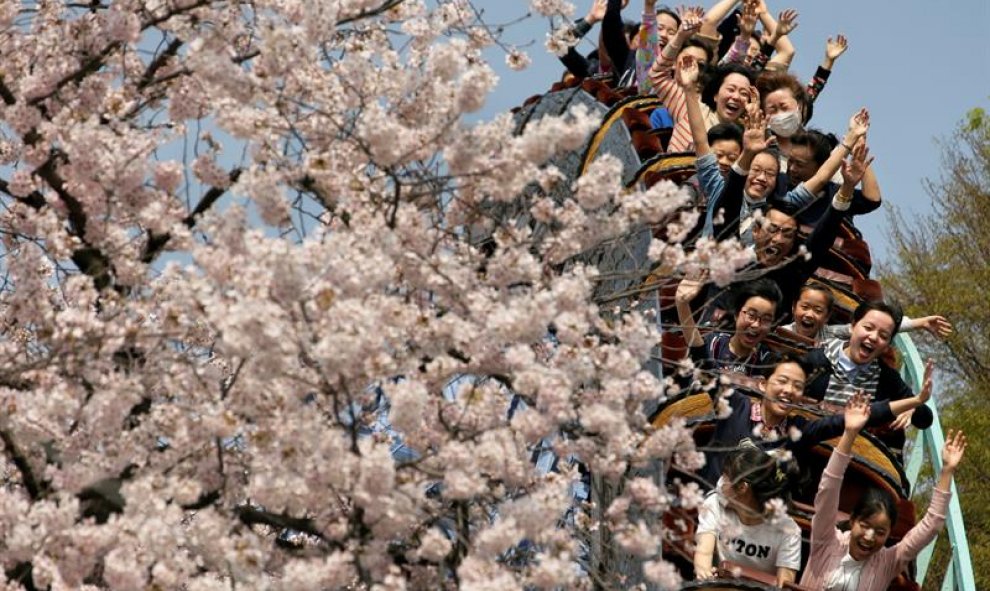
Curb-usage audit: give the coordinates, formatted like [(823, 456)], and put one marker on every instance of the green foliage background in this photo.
[(942, 266)]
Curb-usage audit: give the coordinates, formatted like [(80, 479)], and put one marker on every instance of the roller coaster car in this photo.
[(873, 465)]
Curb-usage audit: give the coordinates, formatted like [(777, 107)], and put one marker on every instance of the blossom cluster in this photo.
[(243, 273)]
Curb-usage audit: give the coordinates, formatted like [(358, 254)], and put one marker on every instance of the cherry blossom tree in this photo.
[(241, 270)]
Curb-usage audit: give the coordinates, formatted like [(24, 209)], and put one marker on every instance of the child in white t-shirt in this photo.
[(742, 522)]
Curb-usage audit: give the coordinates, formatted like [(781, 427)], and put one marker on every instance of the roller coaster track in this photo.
[(929, 442)]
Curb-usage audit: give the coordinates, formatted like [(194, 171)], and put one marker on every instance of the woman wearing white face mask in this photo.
[(787, 106)]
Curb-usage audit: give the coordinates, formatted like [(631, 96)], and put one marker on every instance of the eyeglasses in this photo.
[(755, 317), (784, 232), (767, 172)]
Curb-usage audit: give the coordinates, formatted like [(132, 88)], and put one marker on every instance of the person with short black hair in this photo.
[(729, 98), (813, 309), (845, 367), (770, 424), (809, 151), (742, 349)]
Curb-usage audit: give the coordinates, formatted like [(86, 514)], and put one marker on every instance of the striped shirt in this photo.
[(847, 377), (661, 82)]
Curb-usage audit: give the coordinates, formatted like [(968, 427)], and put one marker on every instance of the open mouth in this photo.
[(864, 546), (751, 336), (771, 250), (733, 109), (867, 348), (807, 323)]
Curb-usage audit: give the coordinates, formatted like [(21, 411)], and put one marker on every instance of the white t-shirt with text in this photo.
[(764, 547)]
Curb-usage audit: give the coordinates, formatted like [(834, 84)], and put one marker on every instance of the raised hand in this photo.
[(755, 136), (690, 11), (688, 289), (691, 19), (952, 451), (938, 326), (752, 101), (833, 49), (786, 23), (857, 412), (687, 73), (855, 167), (597, 12), (747, 18), (859, 124)]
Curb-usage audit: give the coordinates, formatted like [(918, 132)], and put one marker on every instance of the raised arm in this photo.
[(857, 413), (614, 37), (859, 124), (648, 40), (687, 290), (687, 79), (779, 31), (666, 88), (938, 326), (833, 49), (924, 532), (715, 14), (746, 20), (704, 556)]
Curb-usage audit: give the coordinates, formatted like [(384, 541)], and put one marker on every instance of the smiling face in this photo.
[(762, 177), (730, 101), (726, 152), (774, 238), (783, 387), (666, 29), (868, 534), (870, 337), (810, 313), (753, 322)]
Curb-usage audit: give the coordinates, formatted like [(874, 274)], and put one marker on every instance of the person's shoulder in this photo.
[(715, 336), (788, 526), (710, 503)]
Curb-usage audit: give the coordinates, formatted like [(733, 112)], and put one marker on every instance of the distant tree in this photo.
[(942, 264)]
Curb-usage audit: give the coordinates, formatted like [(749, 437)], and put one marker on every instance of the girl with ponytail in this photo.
[(745, 519)]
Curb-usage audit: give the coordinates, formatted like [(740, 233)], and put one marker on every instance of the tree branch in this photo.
[(156, 64), (255, 516), (35, 489), (157, 242), (385, 7)]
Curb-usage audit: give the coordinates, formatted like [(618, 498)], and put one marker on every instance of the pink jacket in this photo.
[(829, 545)]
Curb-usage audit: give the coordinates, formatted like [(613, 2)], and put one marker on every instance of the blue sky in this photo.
[(918, 67)]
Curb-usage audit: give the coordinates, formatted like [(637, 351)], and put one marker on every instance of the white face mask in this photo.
[(785, 124)]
